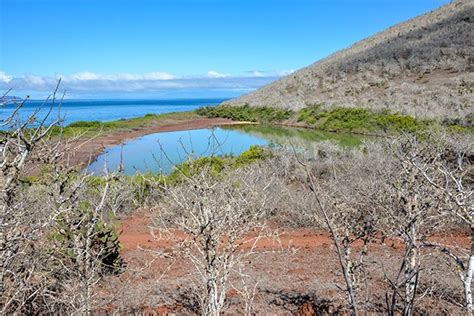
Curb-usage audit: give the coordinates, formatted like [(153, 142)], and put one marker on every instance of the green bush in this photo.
[(460, 125), (308, 114), (359, 120), (216, 164), (251, 155), (71, 230), (246, 113)]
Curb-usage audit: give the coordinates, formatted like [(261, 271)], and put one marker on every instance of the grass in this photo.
[(88, 128)]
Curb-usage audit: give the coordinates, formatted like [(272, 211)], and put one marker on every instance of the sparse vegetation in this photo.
[(385, 205), (351, 225), (374, 196), (419, 68), (56, 238), (216, 215)]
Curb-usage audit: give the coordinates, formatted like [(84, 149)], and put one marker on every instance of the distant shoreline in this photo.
[(108, 110)]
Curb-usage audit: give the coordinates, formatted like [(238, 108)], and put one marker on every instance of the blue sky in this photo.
[(166, 48)]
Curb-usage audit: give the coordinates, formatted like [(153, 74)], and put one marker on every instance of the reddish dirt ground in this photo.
[(137, 233), (298, 275)]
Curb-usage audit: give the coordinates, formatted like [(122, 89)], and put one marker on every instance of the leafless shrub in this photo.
[(446, 167), (222, 220), (377, 193), (407, 211), (330, 182), (55, 241), (21, 224)]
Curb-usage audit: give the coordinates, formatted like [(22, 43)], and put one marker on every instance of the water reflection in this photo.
[(161, 151)]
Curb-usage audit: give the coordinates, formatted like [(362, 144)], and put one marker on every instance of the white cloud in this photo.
[(215, 74), (95, 83), (87, 76), (34, 80), (261, 73), (285, 72), (256, 73), (158, 76), (4, 77)]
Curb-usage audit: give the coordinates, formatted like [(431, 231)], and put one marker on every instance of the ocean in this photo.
[(106, 110)]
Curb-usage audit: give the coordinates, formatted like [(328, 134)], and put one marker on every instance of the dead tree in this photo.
[(21, 141), (52, 225), (397, 195), (222, 220), (447, 167), (331, 181), (368, 195)]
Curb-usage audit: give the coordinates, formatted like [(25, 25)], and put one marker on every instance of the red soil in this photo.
[(298, 275), (138, 233)]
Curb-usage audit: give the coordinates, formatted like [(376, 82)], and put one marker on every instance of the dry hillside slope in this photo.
[(422, 67)]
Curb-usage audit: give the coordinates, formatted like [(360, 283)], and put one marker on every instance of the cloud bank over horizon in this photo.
[(89, 84)]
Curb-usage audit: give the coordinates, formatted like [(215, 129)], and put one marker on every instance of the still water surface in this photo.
[(161, 151)]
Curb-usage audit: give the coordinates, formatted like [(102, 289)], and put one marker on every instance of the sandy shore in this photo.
[(86, 150)]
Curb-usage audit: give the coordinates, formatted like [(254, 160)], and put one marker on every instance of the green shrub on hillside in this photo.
[(246, 113), (309, 113), (460, 125), (359, 120)]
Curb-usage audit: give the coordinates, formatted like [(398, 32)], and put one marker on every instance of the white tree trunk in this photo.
[(411, 267), (212, 308), (468, 278), (410, 285)]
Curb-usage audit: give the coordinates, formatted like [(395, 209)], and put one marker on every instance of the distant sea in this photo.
[(107, 110)]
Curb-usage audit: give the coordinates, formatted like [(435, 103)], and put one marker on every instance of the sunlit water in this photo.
[(161, 151)]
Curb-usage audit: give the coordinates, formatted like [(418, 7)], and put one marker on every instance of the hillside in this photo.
[(6, 99), (421, 67)]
